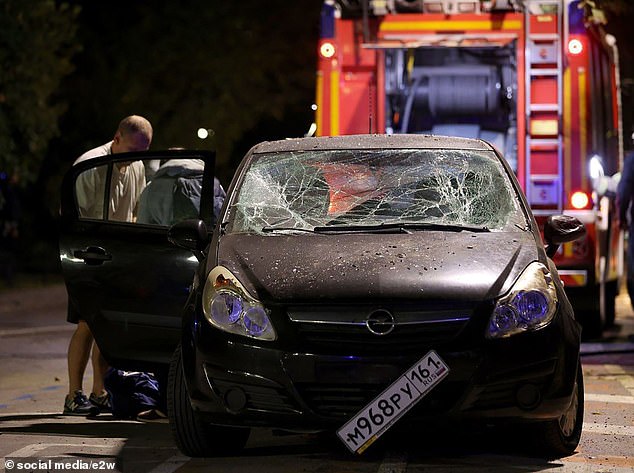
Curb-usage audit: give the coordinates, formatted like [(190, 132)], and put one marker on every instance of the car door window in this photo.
[(126, 192)]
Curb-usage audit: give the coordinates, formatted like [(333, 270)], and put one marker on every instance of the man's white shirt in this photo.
[(126, 185)]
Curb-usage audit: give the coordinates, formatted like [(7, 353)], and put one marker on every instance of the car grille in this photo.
[(332, 338), (338, 400)]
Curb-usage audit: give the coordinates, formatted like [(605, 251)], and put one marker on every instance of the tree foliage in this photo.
[(184, 65), (37, 42)]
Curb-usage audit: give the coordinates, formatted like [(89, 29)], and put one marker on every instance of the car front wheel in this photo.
[(194, 437), (559, 438)]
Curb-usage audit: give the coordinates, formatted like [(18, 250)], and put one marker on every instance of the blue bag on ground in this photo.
[(131, 392)]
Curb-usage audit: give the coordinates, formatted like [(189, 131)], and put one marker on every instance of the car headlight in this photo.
[(228, 306), (529, 305)]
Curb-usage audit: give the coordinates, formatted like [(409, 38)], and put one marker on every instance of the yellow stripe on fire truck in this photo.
[(487, 25)]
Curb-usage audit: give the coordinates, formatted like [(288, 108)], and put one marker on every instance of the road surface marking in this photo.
[(4, 415), (23, 397), (627, 382), (605, 348), (394, 462), (171, 464), (609, 398), (609, 429), (35, 448), (622, 376)]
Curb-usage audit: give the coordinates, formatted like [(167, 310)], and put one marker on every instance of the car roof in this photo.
[(373, 141)]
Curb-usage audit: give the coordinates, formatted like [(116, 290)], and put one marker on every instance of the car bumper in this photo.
[(526, 377)]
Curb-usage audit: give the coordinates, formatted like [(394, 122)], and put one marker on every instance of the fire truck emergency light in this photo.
[(327, 50), (575, 46), (579, 200)]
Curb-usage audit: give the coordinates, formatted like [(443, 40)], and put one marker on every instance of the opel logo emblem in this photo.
[(380, 322)]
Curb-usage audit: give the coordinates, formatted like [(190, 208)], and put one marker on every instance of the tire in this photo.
[(559, 438), (194, 437)]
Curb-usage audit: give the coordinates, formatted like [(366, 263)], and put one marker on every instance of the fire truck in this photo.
[(538, 79)]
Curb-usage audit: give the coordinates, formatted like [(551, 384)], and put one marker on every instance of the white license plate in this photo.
[(381, 413)]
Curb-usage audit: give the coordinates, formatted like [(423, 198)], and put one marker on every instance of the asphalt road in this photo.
[(33, 342)]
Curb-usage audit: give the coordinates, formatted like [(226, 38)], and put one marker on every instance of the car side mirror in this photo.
[(561, 229), (189, 234)]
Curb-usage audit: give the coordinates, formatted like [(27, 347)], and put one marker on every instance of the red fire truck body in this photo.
[(537, 79)]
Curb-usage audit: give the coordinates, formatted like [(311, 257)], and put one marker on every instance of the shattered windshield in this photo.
[(304, 190)]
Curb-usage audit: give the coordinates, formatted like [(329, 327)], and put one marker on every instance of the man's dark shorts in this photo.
[(73, 314)]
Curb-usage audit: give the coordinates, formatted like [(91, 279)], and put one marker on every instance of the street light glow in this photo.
[(203, 133)]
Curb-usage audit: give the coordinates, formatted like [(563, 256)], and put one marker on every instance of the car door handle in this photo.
[(93, 255)]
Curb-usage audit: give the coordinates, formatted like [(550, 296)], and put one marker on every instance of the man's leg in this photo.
[(99, 368), (99, 396), (78, 353), (76, 403)]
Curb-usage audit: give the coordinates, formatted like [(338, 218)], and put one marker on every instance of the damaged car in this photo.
[(356, 282)]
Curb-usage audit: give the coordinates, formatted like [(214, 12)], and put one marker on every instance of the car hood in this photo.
[(424, 264)]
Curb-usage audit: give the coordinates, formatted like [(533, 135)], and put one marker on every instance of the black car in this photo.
[(349, 281)]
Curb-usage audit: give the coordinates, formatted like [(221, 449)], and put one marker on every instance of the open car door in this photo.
[(123, 276)]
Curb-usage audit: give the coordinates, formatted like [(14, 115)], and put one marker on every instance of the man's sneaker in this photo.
[(79, 405), (102, 402)]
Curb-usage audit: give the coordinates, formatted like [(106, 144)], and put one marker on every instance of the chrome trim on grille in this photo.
[(380, 322), (360, 319)]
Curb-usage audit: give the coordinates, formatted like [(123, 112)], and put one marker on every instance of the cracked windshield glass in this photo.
[(325, 190)]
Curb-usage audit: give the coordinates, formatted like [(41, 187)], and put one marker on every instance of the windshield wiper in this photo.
[(400, 227), (271, 229)]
